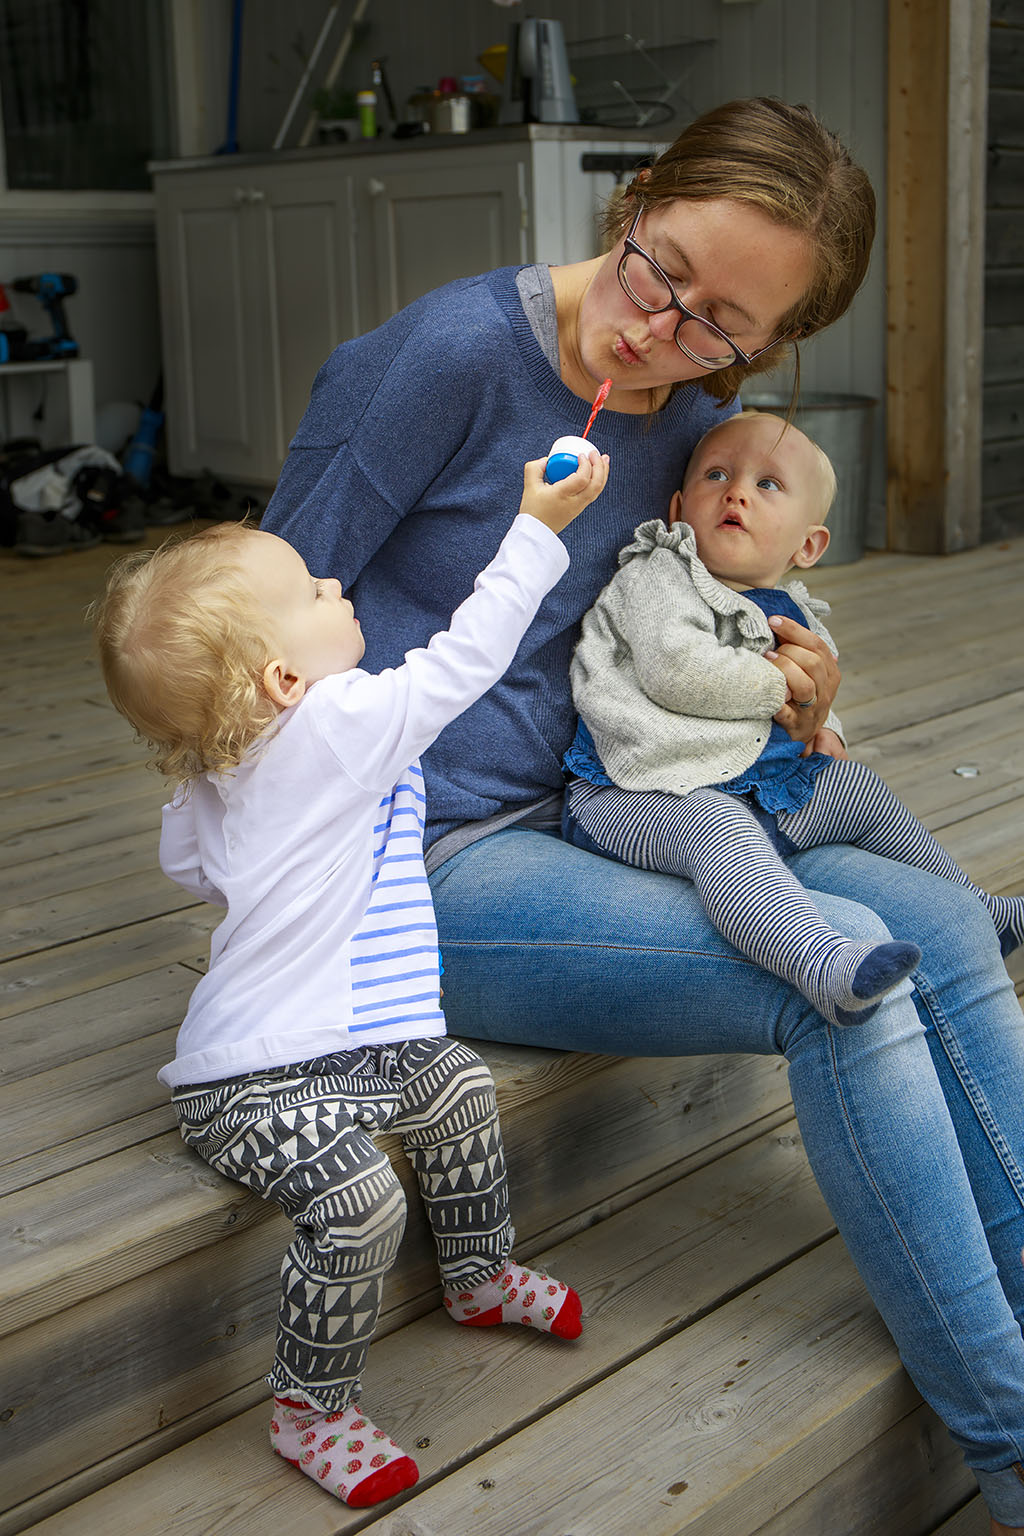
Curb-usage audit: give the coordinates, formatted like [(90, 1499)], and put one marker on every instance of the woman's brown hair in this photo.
[(781, 159)]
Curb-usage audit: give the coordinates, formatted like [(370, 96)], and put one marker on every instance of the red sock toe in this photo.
[(384, 1484), (569, 1322)]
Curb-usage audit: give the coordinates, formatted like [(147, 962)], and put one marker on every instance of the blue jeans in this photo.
[(913, 1122)]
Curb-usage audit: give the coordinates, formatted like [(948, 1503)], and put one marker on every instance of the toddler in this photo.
[(678, 766), (300, 809)]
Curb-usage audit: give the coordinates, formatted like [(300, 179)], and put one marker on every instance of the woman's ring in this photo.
[(806, 703)]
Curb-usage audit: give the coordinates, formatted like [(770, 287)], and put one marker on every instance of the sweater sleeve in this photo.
[(179, 852), (377, 725), (679, 660)]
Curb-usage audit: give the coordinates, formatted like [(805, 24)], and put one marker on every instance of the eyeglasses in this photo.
[(650, 289)]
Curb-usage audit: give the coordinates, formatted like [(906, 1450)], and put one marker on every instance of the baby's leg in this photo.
[(449, 1127), (303, 1140), (750, 895), (851, 804)]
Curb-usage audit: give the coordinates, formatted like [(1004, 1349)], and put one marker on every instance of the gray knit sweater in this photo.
[(669, 674)]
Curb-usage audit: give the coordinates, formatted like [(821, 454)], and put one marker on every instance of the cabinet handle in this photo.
[(375, 187), (257, 195)]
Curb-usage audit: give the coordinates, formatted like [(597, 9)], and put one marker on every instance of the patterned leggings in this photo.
[(302, 1136), (715, 840)]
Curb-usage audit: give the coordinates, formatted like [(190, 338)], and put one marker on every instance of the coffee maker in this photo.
[(537, 86)]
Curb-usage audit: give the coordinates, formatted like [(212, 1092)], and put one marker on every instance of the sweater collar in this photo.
[(621, 426)]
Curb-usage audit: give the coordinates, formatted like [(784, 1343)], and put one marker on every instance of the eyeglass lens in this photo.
[(647, 288)]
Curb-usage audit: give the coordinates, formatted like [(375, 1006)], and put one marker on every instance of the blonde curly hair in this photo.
[(182, 644)]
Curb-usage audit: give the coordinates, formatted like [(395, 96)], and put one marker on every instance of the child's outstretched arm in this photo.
[(557, 505)]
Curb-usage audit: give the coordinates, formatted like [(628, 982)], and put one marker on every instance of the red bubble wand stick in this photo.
[(565, 452)]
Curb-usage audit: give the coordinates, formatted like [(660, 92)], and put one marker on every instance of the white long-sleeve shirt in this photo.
[(315, 846)]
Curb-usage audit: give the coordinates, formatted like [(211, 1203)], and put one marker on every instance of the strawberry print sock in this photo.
[(518, 1295), (344, 1452)]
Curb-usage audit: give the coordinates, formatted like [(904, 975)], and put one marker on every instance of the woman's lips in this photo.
[(627, 354)]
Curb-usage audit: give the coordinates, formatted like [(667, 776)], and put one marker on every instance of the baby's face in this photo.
[(312, 627), (754, 500)]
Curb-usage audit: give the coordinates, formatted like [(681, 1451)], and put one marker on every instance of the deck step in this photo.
[(722, 1317), (138, 1291)]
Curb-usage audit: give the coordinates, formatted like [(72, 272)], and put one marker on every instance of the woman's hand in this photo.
[(556, 505), (812, 677)]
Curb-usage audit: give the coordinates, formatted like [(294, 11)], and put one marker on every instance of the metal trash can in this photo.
[(843, 427)]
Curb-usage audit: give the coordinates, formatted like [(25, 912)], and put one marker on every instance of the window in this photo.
[(84, 93)]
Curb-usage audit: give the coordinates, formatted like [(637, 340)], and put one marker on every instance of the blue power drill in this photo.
[(51, 289)]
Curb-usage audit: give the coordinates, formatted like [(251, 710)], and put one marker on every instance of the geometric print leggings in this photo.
[(302, 1136)]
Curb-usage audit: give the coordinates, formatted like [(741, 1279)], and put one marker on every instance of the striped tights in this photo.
[(752, 897)]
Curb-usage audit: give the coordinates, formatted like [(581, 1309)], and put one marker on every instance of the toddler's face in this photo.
[(753, 500), (312, 627)]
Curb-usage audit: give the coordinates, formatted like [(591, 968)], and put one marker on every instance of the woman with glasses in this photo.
[(751, 232)]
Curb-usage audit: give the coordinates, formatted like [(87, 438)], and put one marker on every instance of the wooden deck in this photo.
[(137, 1289)]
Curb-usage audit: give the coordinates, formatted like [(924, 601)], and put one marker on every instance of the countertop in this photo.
[(513, 133)]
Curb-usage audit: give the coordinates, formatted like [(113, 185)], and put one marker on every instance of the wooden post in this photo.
[(938, 76)]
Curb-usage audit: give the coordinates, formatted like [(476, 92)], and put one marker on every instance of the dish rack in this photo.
[(622, 81)]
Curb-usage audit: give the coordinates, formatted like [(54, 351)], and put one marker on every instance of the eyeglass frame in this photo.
[(741, 358)]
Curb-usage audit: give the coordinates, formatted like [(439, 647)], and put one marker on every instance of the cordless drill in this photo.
[(50, 288)]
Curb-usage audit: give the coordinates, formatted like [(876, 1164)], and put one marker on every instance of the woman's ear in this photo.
[(283, 687), (812, 548)]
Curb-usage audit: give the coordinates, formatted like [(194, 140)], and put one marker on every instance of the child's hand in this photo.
[(556, 505)]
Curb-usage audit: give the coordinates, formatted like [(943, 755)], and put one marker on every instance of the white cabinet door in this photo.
[(438, 221), (304, 247), (257, 282), (216, 359)]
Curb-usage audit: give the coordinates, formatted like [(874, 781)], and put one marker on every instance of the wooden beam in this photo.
[(938, 79)]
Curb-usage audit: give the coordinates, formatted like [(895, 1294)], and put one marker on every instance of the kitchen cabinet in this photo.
[(267, 262)]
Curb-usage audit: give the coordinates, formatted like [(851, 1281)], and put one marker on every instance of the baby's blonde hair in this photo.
[(183, 645), (829, 485)]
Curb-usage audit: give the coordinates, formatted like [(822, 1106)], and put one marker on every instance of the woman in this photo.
[(752, 231)]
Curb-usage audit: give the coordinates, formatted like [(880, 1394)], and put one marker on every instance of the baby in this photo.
[(300, 809), (678, 766)]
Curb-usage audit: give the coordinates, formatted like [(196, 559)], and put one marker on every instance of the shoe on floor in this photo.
[(50, 533)]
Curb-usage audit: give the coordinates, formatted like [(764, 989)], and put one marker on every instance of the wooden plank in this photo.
[(768, 1392), (1003, 406), (972, 1520), (1005, 177), (99, 1019), (1002, 470), (1006, 57), (94, 826), (903, 1482), (645, 1274), (73, 1114), (1004, 353), (1003, 518), (1006, 116), (1004, 296), (1004, 238), (97, 961), (54, 1252), (34, 927)]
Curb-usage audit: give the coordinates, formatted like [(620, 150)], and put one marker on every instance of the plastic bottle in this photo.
[(366, 102), (564, 458)]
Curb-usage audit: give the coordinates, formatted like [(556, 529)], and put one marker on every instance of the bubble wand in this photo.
[(565, 452)]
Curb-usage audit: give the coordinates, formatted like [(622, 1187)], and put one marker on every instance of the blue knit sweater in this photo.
[(402, 480)]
